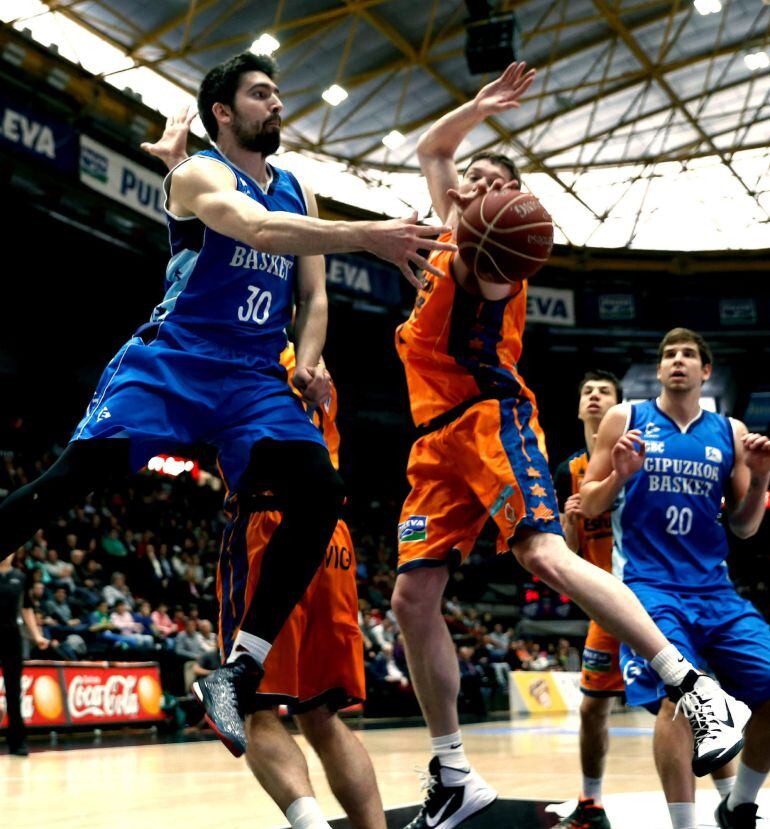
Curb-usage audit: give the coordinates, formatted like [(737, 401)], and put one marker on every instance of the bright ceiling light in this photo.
[(265, 44), (757, 60), (393, 140), (334, 95), (708, 6)]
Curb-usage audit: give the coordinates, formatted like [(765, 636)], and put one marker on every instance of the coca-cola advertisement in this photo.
[(88, 693), (42, 700)]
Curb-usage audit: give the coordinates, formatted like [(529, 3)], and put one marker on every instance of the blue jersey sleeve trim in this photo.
[(297, 186), (167, 183)]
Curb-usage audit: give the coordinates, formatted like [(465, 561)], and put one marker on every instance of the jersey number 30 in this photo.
[(257, 306), (679, 520)]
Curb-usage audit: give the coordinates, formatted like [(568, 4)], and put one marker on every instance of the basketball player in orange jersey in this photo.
[(316, 663), (601, 679), (481, 453)]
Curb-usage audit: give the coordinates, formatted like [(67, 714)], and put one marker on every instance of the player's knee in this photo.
[(541, 562), (319, 727), (594, 711), (417, 594)]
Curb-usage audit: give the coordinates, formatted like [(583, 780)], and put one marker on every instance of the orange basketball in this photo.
[(47, 697), (505, 236)]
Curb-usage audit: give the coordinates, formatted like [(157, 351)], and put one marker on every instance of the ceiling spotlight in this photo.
[(334, 95), (393, 140), (705, 7), (265, 44), (757, 60)]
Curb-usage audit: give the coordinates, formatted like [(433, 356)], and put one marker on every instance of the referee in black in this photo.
[(15, 606)]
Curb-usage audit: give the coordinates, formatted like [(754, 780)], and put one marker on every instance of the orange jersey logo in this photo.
[(456, 346)]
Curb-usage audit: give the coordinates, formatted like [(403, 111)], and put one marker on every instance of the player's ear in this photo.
[(706, 371)]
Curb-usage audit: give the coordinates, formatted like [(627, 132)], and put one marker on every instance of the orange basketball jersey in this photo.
[(325, 415), (457, 347), (594, 534)]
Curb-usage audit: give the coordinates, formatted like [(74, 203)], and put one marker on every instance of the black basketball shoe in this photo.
[(717, 721), (453, 796), (587, 815), (743, 816), (220, 692)]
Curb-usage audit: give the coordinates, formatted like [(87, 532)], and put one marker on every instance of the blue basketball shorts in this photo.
[(718, 631), (179, 389)]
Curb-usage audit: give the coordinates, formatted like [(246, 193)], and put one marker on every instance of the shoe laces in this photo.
[(428, 781), (700, 714)]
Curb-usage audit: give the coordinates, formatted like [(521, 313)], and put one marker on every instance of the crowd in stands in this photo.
[(131, 574)]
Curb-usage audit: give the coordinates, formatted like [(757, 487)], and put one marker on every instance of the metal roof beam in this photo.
[(654, 71)]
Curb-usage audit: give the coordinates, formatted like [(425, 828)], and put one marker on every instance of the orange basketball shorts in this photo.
[(317, 657), (490, 461), (601, 676)]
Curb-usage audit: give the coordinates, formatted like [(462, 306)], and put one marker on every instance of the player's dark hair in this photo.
[(221, 83), (499, 159), (601, 374), (685, 335)]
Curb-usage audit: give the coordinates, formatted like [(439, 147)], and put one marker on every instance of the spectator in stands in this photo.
[(188, 643), (180, 620), (113, 546), (207, 636), (118, 591), (125, 624), (61, 572), (59, 610), (471, 682), (37, 596), (100, 624), (143, 616), (163, 623), (155, 574)]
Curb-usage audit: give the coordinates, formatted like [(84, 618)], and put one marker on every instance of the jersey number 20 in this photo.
[(257, 306), (679, 520)]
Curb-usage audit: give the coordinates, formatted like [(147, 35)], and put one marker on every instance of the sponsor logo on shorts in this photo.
[(633, 668), (415, 528), (543, 513), (505, 494), (599, 662), (103, 414), (713, 454)]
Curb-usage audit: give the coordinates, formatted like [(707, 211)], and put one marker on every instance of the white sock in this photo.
[(724, 786), (592, 789), (305, 813), (747, 785), (253, 645), (450, 752), (682, 815), (671, 666)]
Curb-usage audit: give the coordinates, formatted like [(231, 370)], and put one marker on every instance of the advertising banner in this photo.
[(552, 306), (543, 692), (121, 179), (87, 693), (361, 278), (38, 136)]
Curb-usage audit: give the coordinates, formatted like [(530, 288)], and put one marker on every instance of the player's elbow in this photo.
[(743, 530)]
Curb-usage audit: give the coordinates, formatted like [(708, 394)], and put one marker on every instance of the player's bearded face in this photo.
[(259, 136)]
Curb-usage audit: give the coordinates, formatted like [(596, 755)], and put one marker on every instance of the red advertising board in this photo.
[(88, 693)]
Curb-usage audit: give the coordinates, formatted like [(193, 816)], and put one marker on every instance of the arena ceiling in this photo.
[(635, 102)]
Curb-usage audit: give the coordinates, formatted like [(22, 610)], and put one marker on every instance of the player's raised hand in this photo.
[(171, 147), (628, 454), (462, 200), (400, 241), (505, 92), (757, 448), (314, 383)]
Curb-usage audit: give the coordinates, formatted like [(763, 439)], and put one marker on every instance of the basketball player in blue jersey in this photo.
[(666, 465), (246, 245)]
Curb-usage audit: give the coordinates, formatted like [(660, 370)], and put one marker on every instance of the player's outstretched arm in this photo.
[(206, 188), (437, 147), (311, 379), (616, 457), (749, 482)]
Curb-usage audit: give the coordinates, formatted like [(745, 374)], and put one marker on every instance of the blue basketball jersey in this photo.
[(666, 526), (223, 290)]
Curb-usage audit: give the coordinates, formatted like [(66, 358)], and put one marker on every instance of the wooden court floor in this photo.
[(177, 785)]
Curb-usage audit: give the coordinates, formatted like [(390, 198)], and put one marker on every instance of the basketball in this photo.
[(505, 236)]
